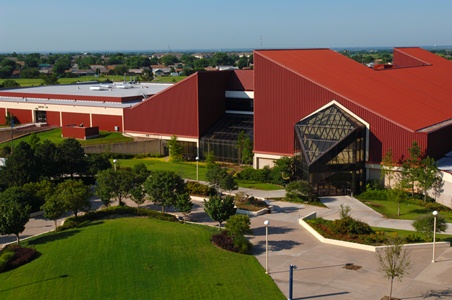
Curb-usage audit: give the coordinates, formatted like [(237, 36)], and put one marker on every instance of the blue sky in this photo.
[(90, 25)]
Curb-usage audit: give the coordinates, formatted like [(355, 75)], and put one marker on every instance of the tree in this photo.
[(20, 167), (240, 145), (138, 195), (387, 170), (49, 79), (9, 83), (184, 204), (398, 195), (247, 152), (163, 188), (428, 175), (175, 149), (220, 208), (425, 225), (97, 162), (75, 195), (283, 171), (46, 156), (394, 261), (53, 208), (300, 190), (114, 184), (30, 73), (71, 157), (410, 167), (13, 217), (238, 225), (219, 178)]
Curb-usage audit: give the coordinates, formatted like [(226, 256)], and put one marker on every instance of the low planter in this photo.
[(301, 221)]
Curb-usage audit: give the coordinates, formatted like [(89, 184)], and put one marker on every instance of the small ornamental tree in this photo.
[(13, 217), (53, 208), (238, 225), (163, 188), (300, 190), (394, 261), (175, 149), (184, 204), (75, 194), (425, 225), (138, 195), (388, 167), (398, 195), (220, 209), (428, 175)]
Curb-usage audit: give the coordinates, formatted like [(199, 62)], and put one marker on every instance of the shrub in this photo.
[(348, 226), (5, 256), (14, 256), (425, 225), (259, 175), (372, 194), (242, 245), (199, 189)]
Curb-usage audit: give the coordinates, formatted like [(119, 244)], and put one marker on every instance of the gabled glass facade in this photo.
[(331, 146)]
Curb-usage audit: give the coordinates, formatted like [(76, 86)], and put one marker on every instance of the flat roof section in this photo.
[(105, 92)]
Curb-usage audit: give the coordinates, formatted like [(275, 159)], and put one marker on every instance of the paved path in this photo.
[(320, 273)]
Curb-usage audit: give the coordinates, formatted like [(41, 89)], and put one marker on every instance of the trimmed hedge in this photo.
[(113, 211)]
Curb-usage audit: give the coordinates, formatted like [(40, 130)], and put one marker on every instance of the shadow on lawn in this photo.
[(53, 237), (31, 283)]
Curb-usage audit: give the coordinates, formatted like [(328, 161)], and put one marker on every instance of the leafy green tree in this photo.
[(138, 195), (46, 156), (71, 157), (117, 184), (247, 152), (13, 216), (34, 140), (75, 195), (121, 70), (388, 167), (220, 208), (20, 167), (10, 83), (97, 162), (283, 171), (394, 261), (425, 225), (428, 175), (219, 178), (410, 167), (49, 79), (54, 207), (300, 190), (62, 65), (238, 225), (168, 59), (175, 149), (163, 188), (140, 173), (240, 145), (184, 204), (30, 73), (398, 195)]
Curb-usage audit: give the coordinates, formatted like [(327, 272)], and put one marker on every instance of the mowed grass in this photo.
[(408, 210), (406, 233), (54, 135), (136, 258)]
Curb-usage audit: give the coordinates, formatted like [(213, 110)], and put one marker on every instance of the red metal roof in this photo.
[(241, 80), (412, 97)]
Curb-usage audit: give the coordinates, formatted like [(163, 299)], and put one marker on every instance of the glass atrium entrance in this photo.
[(331, 147)]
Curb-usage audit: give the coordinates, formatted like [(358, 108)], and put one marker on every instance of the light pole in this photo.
[(114, 164), (292, 267), (197, 167), (266, 223), (435, 213)]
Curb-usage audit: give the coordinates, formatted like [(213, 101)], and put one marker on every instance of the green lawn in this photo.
[(408, 210), (259, 185), (54, 135), (405, 233), (136, 258)]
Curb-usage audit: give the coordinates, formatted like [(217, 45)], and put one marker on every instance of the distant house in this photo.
[(102, 69)]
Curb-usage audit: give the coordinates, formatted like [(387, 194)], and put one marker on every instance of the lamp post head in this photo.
[(114, 161), (197, 158), (266, 222), (435, 213)]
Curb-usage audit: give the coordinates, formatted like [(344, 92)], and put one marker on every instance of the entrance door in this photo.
[(41, 116)]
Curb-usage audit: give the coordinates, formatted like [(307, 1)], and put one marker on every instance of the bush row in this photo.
[(199, 189), (73, 222)]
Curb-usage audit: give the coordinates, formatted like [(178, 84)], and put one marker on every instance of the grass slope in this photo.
[(136, 258)]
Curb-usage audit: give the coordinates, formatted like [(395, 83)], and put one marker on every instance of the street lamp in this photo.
[(292, 267), (435, 213), (197, 169), (114, 163), (266, 223)]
